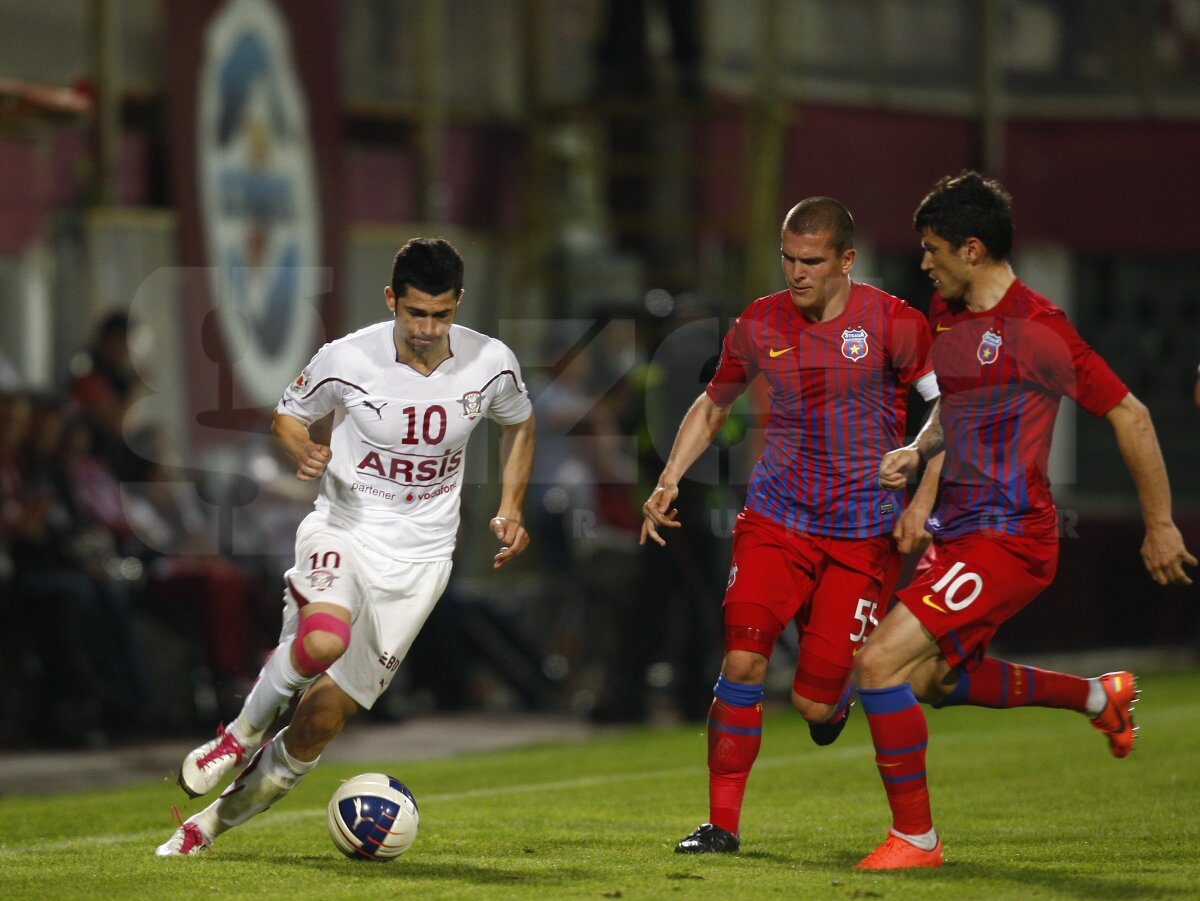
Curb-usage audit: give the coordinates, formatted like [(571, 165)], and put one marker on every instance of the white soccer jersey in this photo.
[(399, 437)]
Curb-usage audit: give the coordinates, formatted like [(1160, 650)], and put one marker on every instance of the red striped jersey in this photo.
[(838, 394), (1002, 374)]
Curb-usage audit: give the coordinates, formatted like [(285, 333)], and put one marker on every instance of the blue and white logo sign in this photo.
[(258, 197)]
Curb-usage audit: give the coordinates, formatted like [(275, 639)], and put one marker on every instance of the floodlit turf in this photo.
[(1029, 804)]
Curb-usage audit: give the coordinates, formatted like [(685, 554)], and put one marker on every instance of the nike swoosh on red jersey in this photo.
[(929, 603)]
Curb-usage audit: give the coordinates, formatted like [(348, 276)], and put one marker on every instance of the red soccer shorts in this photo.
[(833, 588), (965, 587)]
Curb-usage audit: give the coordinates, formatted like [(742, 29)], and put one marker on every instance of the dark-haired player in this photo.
[(1004, 357), (374, 556)]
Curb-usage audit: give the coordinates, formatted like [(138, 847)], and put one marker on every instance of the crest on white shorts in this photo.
[(320, 579)]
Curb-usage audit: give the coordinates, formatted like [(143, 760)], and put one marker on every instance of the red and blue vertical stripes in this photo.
[(900, 735)]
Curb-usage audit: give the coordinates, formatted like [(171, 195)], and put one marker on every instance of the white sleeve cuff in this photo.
[(927, 386)]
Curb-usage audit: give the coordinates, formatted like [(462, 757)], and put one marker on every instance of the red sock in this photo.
[(1000, 684), (900, 734), (734, 736)]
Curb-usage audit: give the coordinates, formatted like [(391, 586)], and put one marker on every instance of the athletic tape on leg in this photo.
[(318, 622)]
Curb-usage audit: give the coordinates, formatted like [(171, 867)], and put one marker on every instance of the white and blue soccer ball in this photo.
[(373, 817)]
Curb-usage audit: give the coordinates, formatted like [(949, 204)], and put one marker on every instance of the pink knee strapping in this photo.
[(317, 622)]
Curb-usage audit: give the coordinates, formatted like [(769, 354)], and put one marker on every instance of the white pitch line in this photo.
[(275, 819)]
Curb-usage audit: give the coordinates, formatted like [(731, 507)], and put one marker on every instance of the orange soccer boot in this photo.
[(1116, 719), (897, 854)]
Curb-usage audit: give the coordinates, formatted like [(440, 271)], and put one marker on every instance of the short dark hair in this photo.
[(965, 206), (814, 215), (431, 265)]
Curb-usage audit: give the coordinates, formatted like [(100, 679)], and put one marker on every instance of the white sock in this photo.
[(926, 842), (269, 697), (207, 820), (1097, 699), (271, 774)]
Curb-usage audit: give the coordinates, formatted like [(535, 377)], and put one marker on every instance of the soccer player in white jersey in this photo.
[(373, 557)]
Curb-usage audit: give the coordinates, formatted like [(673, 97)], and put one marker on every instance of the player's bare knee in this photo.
[(324, 648), (812, 711), (872, 669), (744, 667)]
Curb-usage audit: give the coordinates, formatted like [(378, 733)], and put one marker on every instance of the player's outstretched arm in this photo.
[(311, 458), (516, 465), (1163, 550), (700, 426)]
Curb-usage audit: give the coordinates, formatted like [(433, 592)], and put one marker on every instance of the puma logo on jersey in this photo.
[(377, 410)]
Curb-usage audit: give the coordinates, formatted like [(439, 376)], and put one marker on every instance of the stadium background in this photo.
[(614, 172)]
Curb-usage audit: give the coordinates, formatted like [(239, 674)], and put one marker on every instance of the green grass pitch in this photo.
[(1028, 802)]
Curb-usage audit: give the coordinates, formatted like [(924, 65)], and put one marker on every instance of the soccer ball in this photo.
[(373, 817)]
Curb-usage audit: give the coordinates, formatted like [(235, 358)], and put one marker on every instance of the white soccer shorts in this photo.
[(389, 601)]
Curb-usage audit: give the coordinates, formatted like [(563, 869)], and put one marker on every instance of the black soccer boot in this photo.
[(708, 839), (827, 733)]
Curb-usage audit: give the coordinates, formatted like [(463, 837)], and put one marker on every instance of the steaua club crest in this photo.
[(320, 579), (732, 577), (988, 351), (854, 343), (472, 404)]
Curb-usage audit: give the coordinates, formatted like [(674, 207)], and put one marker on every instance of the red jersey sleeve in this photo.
[(910, 344), (736, 368), (1069, 366)]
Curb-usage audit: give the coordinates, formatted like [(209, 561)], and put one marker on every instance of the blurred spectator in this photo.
[(92, 486), (10, 379), (669, 633), (14, 422), (190, 585), (104, 385), (1196, 392), (68, 603), (580, 503), (623, 55)]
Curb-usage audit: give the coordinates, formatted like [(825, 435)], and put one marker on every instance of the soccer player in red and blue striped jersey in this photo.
[(813, 543), (1004, 357)]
